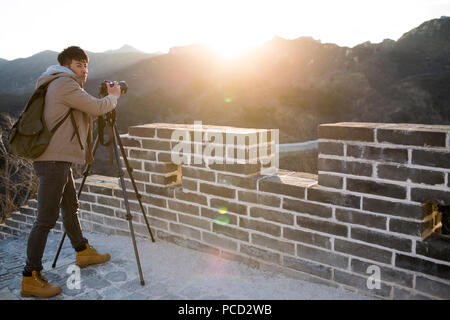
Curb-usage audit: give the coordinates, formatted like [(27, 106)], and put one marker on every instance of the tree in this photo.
[(17, 179)]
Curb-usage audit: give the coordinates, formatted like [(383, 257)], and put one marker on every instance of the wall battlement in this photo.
[(372, 204)]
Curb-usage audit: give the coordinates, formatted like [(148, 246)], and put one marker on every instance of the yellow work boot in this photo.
[(90, 256), (37, 286)]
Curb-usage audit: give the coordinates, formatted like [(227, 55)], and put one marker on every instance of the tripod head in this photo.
[(109, 118)]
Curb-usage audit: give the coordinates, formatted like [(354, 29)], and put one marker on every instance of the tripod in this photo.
[(115, 143)]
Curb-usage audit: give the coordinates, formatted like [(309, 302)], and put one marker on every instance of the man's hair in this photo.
[(72, 53)]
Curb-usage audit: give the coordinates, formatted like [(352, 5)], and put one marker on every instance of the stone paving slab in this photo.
[(170, 272)]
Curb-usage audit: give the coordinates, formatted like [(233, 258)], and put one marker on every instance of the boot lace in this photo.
[(41, 279), (92, 249)]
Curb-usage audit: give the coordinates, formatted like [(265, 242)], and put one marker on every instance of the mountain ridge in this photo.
[(294, 85)]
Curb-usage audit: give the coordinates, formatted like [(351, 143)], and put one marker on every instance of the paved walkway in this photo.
[(170, 272)]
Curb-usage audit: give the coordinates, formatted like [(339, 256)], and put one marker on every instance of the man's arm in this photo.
[(76, 97)]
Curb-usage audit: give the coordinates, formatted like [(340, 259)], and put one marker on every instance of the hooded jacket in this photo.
[(63, 94)]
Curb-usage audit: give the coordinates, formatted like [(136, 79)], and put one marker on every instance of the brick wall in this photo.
[(363, 210)]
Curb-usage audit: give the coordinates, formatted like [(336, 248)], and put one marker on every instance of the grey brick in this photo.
[(411, 137), (243, 182), (238, 168), (323, 226), (393, 208), (322, 256), (260, 253), (141, 131), (283, 185), (409, 227), (432, 287), (345, 166), (333, 148), (143, 154), (423, 266), (164, 180), (215, 215), (272, 215), (196, 173), (402, 294), (195, 222), (191, 197), (307, 207), (183, 207), (382, 239), (160, 167), (379, 154), (431, 158), (334, 198), (162, 214), (361, 283), (231, 232), (377, 188), (185, 230), (403, 173), (228, 205), (363, 251), (261, 226), (154, 144), (307, 267), (387, 274), (307, 237), (331, 181), (255, 197), (281, 246), (217, 190), (361, 218), (424, 195), (346, 131), (435, 246), (220, 241)]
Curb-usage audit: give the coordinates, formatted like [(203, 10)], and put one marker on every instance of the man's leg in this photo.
[(52, 179), (69, 208), (86, 254)]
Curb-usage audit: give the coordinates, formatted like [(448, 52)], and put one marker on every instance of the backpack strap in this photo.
[(74, 124), (61, 122), (75, 128)]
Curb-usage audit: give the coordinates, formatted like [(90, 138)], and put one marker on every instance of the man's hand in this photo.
[(114, 90)]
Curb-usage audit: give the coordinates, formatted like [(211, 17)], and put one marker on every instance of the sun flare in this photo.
[(231, 49)]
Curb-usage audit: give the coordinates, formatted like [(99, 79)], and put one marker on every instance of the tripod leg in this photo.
[(130, 170), (128, 215), (85, 174)]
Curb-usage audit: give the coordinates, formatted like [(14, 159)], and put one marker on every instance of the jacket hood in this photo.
[(56, 71)]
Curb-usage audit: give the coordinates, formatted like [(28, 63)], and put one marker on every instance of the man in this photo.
[(56, 188)]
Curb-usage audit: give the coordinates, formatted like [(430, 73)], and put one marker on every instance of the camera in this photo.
[(104, 89)]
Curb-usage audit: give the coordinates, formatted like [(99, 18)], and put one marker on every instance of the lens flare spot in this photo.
[(228, 100), (223, 210), (222, 220)]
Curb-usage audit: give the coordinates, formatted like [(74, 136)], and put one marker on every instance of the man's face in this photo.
[(80, 68)]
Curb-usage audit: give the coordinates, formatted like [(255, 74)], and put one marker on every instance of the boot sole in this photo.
[(82, 265), (30, 295)]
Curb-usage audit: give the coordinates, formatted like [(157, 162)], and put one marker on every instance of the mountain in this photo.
[(19, 76), (293, 85), (124, 49)]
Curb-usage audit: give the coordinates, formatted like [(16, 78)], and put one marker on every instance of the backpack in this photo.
[(30, 136)]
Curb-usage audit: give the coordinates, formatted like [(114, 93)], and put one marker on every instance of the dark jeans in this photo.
[(56, 189)]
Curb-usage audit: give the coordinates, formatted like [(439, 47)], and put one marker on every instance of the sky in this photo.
[(232, 26)]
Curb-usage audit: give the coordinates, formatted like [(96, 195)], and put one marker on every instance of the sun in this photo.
[(231, 49), (232, 43)]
